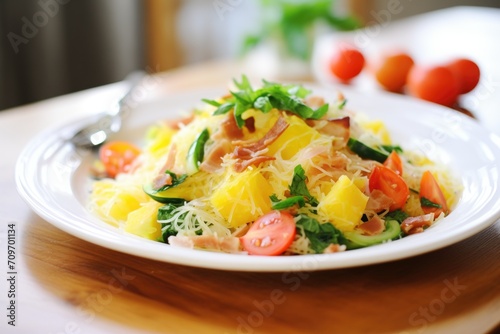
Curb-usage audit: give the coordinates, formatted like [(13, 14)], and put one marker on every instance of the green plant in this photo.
[(292, 21)]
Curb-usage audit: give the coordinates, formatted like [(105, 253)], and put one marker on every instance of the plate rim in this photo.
[(235, 262)]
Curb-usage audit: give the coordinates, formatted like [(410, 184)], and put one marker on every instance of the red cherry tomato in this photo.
[(436, 84), (271, 234), (118, 156), (392, 70), (467, 73), (429, 189), (391, 184), (394, 162), (346, 63)]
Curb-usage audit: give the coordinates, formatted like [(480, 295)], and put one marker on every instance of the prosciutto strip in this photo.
[(412, 225), (213, 158), (378, 201), (176, 124), (278, 128), (230, 129), (315, 101), (209, 242), (252, 153), (373, 226), (162, 180), (338, 128), (241, 165)]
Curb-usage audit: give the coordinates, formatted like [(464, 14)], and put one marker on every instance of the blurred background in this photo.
[(54, 47)]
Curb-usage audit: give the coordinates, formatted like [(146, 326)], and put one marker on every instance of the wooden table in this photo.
[(66, 285)]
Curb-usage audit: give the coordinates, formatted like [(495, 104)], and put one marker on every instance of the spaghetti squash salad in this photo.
[(271, 171)]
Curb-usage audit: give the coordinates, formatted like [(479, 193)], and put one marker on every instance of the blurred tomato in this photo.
[(392, 70), (346, 63), (118, 156), (466, 72), (436, 84)]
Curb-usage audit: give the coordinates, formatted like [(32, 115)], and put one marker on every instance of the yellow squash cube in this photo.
[(113, 202), (297, 136), (379, 129), (142, 222), (344, 204), (243, 197)]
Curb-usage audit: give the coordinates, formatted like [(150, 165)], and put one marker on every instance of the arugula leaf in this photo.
[(176, 180), (428, 203), (299, 187), (320, 235), (397, 215)]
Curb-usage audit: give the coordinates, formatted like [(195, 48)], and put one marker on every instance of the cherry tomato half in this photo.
[(436, 84), (346, 63), (270, 234), (429, 189), (392, 70), (467, 73), (118, 156), (394, 162), (391, 184)]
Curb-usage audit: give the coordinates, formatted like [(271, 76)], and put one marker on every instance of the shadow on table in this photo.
[(398, 297)]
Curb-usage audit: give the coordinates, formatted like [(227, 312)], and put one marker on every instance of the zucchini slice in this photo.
[(357, 240), (161, 196), (366, 152), (196, 152)]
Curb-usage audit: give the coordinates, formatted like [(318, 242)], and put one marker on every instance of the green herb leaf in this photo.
[(299, 186), (165, 212), (397, 215), (320, 235), (278, 204), (390, 148), (196, 152), (212, 102), (271, 95), (244, 85), (176, 180), (342, 104), (294, 21), (428, 203), (224, 108), (262, 103)]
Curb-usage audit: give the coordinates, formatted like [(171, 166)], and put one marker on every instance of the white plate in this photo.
[(53, 179)]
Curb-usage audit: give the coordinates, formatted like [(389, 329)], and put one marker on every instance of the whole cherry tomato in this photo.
[(467, 73), (391, 71), (346, 63), (436, 84)]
